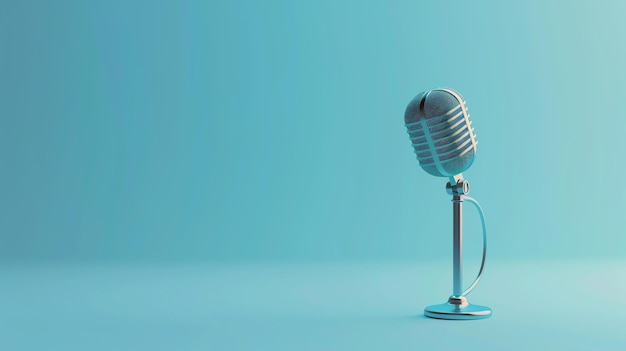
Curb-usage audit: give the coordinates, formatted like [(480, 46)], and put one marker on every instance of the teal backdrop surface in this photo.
[(273, 130), (236, 175)]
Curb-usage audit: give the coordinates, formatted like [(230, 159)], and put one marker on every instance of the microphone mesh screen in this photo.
[(441, 133)]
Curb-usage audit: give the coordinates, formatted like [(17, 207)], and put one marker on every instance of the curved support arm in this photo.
[(482, 263)]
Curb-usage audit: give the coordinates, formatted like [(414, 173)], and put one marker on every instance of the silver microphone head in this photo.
[(441, 133)]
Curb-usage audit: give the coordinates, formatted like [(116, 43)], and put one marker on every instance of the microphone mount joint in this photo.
[(461, 187)]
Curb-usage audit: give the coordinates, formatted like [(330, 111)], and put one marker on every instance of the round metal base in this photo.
[(453, 311)]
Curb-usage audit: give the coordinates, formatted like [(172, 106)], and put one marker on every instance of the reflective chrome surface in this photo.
[(457, 311), (457, 306)]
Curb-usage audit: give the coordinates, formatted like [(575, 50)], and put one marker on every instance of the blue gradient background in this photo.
[(241, 131), (273, 130)]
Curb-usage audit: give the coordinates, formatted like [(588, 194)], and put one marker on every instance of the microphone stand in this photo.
[(457, 306)]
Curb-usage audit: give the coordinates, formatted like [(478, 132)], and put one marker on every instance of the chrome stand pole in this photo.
[(457, 306), (457, 246)]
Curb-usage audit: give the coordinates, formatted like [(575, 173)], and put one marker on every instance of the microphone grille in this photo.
[(441, 133)]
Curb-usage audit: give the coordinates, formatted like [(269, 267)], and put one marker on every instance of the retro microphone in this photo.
[(445, 144)]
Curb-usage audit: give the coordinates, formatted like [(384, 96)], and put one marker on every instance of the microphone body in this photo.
[(441, 133)]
